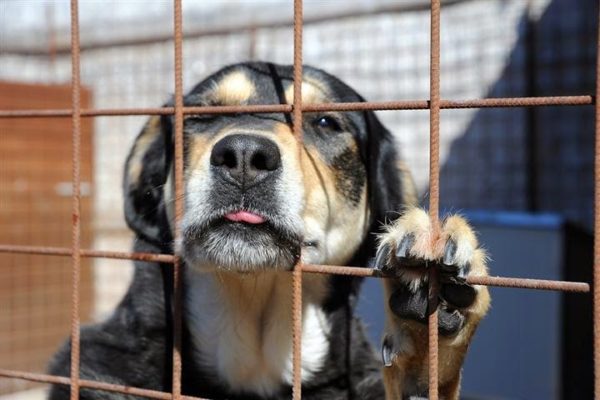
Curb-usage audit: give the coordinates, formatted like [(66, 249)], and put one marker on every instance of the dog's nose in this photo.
[(245, 159)]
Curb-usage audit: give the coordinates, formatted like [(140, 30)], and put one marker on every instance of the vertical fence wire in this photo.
[(76, 198), (434, 191), (596, 271), (179, 192), (297, 273)]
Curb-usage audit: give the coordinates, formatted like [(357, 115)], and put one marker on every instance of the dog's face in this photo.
[(254, 197)]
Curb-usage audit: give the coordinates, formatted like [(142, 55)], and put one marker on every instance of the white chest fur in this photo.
[(241, 328)]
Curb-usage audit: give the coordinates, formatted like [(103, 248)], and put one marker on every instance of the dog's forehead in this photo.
[(263, 83)]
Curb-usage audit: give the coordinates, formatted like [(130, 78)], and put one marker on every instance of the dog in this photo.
[(256, 203)]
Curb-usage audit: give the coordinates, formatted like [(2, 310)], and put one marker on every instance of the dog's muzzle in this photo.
[(244, 222)]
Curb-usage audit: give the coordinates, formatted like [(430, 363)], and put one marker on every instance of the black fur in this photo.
[(144, 205), (413, 306), (133, 347)]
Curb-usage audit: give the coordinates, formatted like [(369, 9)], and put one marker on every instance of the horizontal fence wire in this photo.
[(498, 102), (87, 253), (523, 283), (89, 384)]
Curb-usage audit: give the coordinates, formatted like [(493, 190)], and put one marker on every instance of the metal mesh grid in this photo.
[(434, 105)]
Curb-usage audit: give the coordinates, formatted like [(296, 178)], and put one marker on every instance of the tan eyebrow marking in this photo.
[(234, 89), (311, 94), (149, 134)]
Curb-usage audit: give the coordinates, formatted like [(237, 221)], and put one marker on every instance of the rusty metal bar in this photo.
[(434, 191), (494, 102), (340, 270), (434, 115), (84, 383), (499, 102), (297, 272), (179, 193), (523, 283), (86, 253), (76, 198), (597, 227), (526, 283), (403, 6), (126, 112)]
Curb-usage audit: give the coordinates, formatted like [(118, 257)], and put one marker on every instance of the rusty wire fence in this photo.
[(434, 104)]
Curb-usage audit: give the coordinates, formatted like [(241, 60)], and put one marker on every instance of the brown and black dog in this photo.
[(255, 202)]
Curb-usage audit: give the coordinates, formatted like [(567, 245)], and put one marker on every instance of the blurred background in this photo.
[(523, 175)]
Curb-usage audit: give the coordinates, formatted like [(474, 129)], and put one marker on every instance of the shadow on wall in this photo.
[(540, 159), (534, 159)]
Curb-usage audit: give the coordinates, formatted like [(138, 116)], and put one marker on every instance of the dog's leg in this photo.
[(407, 250), (392, 380), (393, 369), (451, 390)]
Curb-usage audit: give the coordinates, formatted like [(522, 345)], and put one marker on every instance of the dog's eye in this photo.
[(327, 122)]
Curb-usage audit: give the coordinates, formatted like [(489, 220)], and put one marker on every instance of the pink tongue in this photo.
[(245, 216)]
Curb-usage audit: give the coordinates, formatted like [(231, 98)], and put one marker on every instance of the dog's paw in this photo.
[(410, 247)]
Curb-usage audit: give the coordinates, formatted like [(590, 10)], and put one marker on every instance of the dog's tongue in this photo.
[(245, 216)]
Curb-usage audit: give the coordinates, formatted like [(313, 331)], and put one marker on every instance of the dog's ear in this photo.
[(390, 185), (146, 172), (387, 194)]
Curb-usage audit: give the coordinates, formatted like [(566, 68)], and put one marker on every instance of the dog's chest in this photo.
[(241, 329)]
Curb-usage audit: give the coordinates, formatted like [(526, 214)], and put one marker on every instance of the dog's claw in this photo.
[(387, 352), (382, 257), (463, 272), (456, 273), (450, 252), (405, 245)]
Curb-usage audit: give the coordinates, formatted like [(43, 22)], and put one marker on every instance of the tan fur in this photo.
[(311, 93), (410, 365), (393, 378), (327, 215), (254, 346), (149, 133), (409, 189), (200, 146), (198, 149), (343, 225), (326, 212), (234, 89), (318, 182)]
